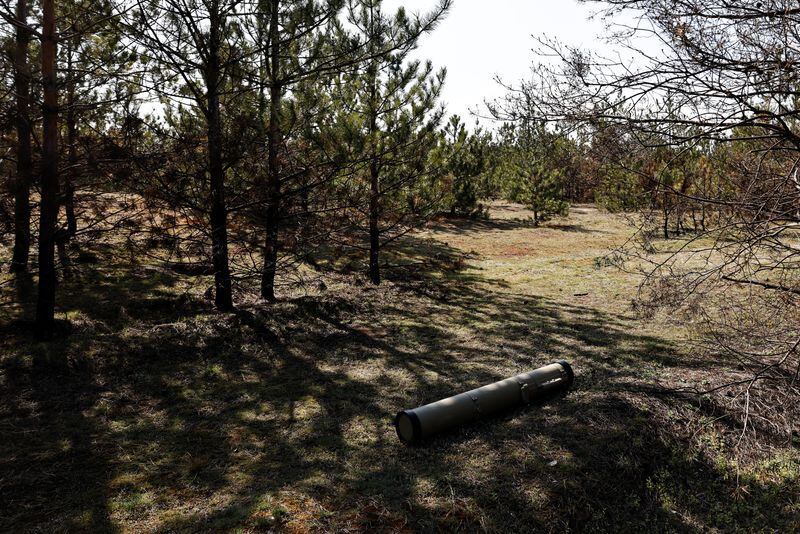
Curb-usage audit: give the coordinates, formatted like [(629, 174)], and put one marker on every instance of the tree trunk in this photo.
[(374, 230), (22, 182), (703, 216), (223, 294), (273, 186), (62, 238), (681, 200), (374, 170), (45, 305), (72, 156)]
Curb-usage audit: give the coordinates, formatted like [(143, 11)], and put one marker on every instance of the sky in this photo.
[(482, 39)]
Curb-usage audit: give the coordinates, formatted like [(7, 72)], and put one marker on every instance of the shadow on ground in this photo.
[(157, 414)]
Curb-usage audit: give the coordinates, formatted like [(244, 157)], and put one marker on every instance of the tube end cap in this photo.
[(407, 426), (568, 369)]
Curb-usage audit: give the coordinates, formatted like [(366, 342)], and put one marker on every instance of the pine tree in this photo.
[(199, 43), (305, 42), (49, 182), (526, 170), (464, 158), (391, 119), (22, 181)]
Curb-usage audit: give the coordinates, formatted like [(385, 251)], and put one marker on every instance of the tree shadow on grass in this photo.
[(54, 458), (277, 416), (465, 225), (462, 225), (573, 228)]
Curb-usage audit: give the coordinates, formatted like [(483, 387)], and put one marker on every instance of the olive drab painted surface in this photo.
[(415, 425)]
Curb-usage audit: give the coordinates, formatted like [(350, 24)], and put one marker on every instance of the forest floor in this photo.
[(156, 414)]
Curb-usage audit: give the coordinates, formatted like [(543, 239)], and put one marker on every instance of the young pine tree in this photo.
[(193, 48), (391, 115), (527, 173)]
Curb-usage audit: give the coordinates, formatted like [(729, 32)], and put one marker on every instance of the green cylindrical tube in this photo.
[(415, 425)]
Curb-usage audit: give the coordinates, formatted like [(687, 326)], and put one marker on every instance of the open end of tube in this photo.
[(570, 374), (406, 424)]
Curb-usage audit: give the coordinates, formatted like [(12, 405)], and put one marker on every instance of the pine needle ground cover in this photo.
[(154, 413)]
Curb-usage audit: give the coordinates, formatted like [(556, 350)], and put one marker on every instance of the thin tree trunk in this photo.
[(703, 216), (685, 185), (72, 156), (62, 239), (374, 168), (374, 230), (223, 295), (22, 181), (273, 187), (45, 306)]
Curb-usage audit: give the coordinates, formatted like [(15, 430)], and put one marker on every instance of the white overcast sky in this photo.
[(480, 39)]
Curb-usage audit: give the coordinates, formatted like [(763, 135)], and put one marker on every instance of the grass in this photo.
[(157, 414)]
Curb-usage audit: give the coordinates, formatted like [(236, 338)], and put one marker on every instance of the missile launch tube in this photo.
[(415, 425)]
